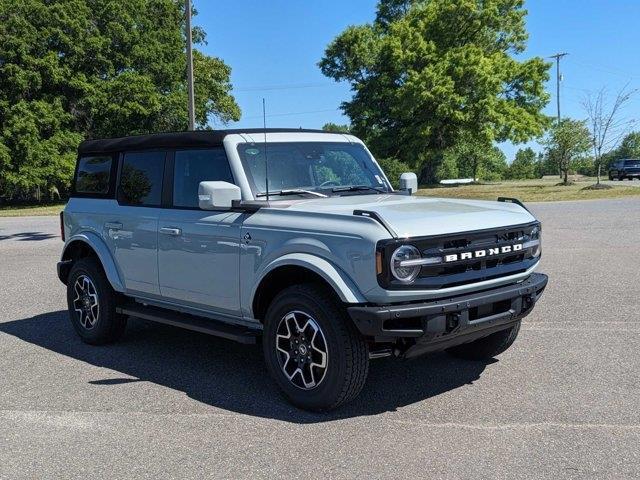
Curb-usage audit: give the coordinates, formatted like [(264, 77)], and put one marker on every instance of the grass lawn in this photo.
[(26, 210), (542, 190)]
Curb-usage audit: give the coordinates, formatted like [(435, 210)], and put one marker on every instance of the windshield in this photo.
[(299, 168), (632, 163)]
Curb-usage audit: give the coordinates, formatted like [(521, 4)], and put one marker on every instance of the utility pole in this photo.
[(192, 115), (558, 56)]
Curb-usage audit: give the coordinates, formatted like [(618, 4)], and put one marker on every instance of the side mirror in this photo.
[(214, 195), (409, 182)]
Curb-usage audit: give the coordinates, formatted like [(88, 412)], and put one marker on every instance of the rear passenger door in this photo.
[(199, 250), (132, 229)]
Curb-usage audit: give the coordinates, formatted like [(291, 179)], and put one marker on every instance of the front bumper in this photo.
[(441, 324)]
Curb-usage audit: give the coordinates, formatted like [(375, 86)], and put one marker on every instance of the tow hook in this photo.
[(453, 322)]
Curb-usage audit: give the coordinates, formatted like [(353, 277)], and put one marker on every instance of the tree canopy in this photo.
[(567, 142), (471, 158), (629, 147), (524, 165), (426, 73), (74, 69)]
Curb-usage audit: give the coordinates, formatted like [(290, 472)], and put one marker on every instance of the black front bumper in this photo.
[(441, 324)]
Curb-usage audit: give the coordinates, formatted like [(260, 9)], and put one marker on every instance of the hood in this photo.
[(414, 216)]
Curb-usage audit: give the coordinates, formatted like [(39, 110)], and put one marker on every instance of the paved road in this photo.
[(164, 403)]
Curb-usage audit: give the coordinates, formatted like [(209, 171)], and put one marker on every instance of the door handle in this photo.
[(170, 231), (113, 225)]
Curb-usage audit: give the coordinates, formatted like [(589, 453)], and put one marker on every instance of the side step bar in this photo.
[(239, 334)]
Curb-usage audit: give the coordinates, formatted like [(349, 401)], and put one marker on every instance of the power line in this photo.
[(608, 70), (292, 86), (288, 114)]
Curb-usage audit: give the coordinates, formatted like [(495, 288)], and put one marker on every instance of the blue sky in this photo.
[(273, 48)]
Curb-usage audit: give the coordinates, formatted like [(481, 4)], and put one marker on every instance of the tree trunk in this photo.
[(429, 167), (599, 169), (566, 177)]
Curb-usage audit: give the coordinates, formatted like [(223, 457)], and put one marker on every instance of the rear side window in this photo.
[(194, 166), (141, 179), (632, 163), (93, 175)]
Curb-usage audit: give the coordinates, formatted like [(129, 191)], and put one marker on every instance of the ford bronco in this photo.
[(295, 238)]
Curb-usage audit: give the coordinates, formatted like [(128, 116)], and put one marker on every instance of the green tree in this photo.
[(393, 168), (524, 165), (629, 147), (474, 159), (566, 143), (426, 73), (334, 127), (74, 69)]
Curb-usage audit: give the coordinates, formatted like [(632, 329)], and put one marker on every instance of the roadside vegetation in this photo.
[(437, 86), (539, 190), (30, 210)]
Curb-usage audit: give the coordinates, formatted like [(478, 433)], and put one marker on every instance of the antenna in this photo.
[(266, 163)]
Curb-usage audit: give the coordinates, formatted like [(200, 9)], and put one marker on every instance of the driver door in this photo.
[(198, 250)]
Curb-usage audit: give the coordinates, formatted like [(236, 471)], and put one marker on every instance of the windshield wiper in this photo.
[(357, 188), (293, 191)]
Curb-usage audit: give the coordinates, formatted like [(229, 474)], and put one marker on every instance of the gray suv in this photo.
[(295, 238)]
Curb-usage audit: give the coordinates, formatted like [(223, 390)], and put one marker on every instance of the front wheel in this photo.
[(312, 349), (487, 347), (92, 304)]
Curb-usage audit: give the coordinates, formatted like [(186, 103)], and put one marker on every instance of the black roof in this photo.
[(197, 138)]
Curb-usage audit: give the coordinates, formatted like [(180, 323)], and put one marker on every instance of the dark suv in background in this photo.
[(626, 168)]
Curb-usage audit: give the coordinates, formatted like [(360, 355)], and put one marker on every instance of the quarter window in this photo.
[(141, 178), (193, 167), (93, 174)]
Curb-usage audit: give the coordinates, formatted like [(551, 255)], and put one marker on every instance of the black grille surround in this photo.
[(467, 271)]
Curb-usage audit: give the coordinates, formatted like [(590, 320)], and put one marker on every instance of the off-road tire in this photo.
[(109, 325), (487, 347), (347, 351)]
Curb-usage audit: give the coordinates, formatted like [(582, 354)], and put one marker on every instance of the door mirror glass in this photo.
[(409, 182), (214, 195)]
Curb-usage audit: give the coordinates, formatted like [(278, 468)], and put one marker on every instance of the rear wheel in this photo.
[(487, 347), (312, 349), (92, 304)]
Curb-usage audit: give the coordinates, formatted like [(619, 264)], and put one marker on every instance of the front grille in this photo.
[(464, 270)]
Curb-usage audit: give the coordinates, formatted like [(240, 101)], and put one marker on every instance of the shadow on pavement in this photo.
[(28, 236), (231, 376)]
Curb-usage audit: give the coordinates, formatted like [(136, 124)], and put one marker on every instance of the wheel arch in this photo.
[(89, 244), (292, 269)]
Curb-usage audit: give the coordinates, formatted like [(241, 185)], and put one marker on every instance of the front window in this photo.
[(194, 166), (301, 168)]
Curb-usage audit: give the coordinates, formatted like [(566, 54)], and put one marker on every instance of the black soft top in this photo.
[(198, 138)]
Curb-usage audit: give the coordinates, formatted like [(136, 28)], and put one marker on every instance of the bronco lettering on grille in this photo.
[(489, 252)]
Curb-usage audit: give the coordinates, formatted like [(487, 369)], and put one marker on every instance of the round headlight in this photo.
[(405, 273), (536, 234)]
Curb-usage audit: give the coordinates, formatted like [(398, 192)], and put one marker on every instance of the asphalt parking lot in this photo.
[(563, 402)]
